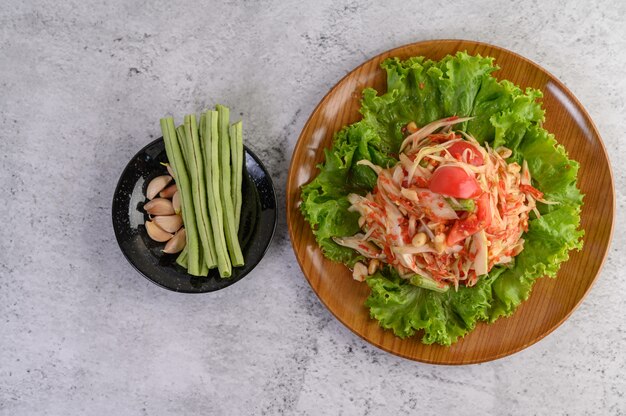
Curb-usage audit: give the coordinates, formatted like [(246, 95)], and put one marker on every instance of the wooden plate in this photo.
[(552, 300)]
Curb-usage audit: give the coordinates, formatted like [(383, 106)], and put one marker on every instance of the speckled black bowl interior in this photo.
[(256, 229)]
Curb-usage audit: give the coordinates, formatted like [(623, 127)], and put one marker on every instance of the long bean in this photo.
[(230, 230), (182, 258), (204, 268), (180, 134), (198, 189), (177, 162), (236, 151), (201, 130), (210, 141)]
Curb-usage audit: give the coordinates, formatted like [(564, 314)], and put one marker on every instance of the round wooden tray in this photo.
[(551, 301)]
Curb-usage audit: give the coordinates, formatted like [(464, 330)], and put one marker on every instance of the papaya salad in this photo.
[(446, 213), (448, 198)]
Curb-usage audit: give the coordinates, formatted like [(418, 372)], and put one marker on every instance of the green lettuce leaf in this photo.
[(422, 90), (405, 309), (324, 200)]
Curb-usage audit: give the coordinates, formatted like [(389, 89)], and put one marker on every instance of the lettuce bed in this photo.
[(423, 90)]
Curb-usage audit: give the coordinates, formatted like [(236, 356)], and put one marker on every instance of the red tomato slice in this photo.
[(475, 158), (455, 182), (473, 223)]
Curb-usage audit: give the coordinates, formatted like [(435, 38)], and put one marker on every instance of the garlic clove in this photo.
[(159, 206), (177, 243), (156, 233), (169, 223), (168, 192), (169, 169), (156, 185), (176, 202)]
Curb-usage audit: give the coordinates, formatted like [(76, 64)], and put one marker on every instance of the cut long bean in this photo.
[(204, 268), (210, 141), (180, 134), (181, 260), (236, 151), (198, 189), (207, 158), (177, 162), (230, 230), (201, 130)]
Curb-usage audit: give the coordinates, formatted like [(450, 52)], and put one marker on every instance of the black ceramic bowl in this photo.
[(256, 229)]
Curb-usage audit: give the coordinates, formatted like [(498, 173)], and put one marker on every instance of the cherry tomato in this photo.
[(457, 149), (455, 182), (471, 224)]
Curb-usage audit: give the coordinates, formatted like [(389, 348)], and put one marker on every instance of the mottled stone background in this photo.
[(83, 85)]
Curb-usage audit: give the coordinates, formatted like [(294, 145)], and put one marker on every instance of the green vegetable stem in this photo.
[(236, 147), (177, 162), (198, 189), (230, 228), (210, 142)]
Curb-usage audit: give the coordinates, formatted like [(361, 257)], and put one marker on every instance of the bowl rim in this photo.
[(301, 142), (252, 266)]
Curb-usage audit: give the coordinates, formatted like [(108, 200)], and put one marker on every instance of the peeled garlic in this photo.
[(159, 206), (156, 185), (169, 223), (168, 192), (177, 243), (176, 202), (156, 233)]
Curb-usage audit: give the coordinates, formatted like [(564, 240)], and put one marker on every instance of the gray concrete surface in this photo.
[(83, 85)]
